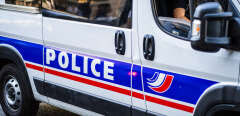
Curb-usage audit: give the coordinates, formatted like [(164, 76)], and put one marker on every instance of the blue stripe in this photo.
[(137, 80), (30, 51), (121, 69), (184, 88)]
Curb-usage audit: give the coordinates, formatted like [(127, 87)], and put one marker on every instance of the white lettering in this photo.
[(85, 65), (50, 55), (63, 61), (108, 71), (60, 60), (93, 67), (74, 66)]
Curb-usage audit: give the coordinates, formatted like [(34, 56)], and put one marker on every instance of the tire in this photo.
[(220, 100), (16, 95), (224, 110)]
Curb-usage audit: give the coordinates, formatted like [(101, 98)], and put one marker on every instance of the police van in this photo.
[(120, 57)]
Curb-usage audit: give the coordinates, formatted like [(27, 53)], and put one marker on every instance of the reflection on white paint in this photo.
[(22, 22), (2, 1)]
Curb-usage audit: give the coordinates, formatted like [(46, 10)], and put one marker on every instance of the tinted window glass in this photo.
[(173, 16), (31, 3), (107, 12)]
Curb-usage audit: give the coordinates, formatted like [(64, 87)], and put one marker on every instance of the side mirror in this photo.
[(234, 33), (210, 28)]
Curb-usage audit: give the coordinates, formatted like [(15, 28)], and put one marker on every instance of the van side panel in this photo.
[(23, 32)]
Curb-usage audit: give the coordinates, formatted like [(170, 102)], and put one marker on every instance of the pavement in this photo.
[(47, 110)]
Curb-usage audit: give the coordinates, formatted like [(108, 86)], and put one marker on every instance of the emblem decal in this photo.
[(160, 82)]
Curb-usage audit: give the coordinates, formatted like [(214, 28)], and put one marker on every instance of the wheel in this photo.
[(224, 110), (227, 113), (16, 95)]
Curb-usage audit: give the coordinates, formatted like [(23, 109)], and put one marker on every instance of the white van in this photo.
[(120, 57)]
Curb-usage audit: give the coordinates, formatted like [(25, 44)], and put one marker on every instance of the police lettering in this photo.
[(65, 62)]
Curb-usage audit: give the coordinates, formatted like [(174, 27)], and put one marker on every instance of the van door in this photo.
[(88, 54), (175, 75)]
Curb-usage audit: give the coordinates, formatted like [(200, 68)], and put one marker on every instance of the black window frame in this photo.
[(51, 13)]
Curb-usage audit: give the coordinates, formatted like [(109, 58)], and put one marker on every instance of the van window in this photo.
[(30, 3), (173, 16), (107, 12)]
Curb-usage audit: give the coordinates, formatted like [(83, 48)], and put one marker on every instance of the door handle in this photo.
[(149, 47), (120, 42)]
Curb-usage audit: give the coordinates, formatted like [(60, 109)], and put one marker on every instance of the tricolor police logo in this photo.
[(160, 82)]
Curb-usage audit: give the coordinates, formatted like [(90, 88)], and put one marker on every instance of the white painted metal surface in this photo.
[(137, 103), (26, 27), (2, 1), (176, 55), (172, 54), (85, 38)]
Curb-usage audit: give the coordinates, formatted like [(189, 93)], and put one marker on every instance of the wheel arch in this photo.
[(222, 93), (10, 54)]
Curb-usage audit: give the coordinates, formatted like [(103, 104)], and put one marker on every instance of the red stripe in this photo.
[(138, 95), (170, 104), (114, 89), (89, 82), (34, 67)]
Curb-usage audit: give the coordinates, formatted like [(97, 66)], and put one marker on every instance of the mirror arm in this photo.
[(220, 15)]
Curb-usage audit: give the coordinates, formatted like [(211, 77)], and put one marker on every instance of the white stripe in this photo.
[(171, 100), (164, 98), (164, 110), (39, 65), (91, 90), (141, 92), (78, 90), (89, 78)]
